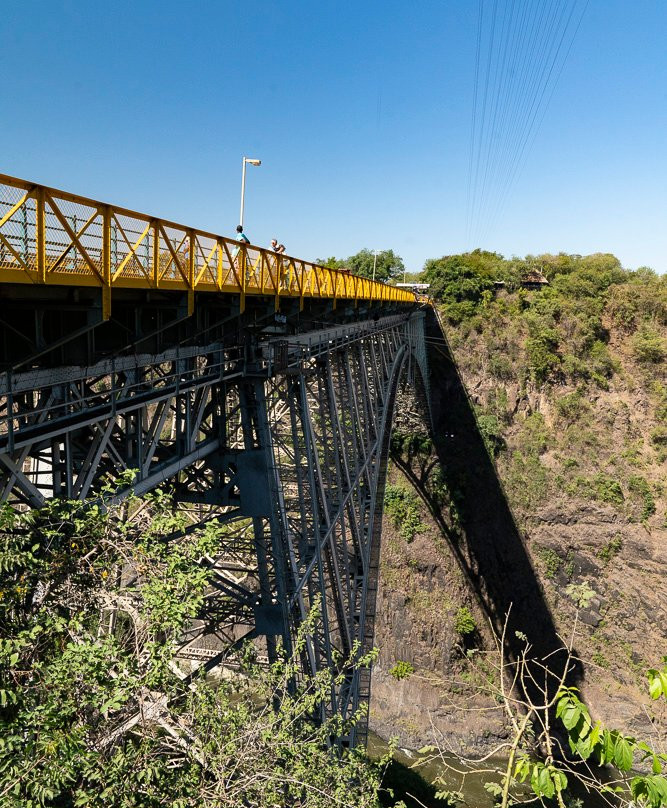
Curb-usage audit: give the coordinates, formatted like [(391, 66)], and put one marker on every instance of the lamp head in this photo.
[(253, 161)]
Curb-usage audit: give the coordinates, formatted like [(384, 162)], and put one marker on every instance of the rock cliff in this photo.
[(544, 500)]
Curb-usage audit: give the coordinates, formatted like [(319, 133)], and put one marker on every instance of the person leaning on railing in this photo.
[(279, 249)]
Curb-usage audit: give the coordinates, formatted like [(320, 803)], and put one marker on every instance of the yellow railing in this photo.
[(56, 238)]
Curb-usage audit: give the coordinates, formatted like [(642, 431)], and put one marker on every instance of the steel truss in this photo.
[(283, 442)]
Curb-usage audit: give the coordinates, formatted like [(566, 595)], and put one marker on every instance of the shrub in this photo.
[(640, 487), (464, 622), (501, 367), (542, 357), (534, 436), (601, 487), (572, 406), (527, 481), (403, 511), (612, 548), (659, 436), (552, 561), (491, 432), (601, 361), (607, 489), (410, 443), (648, 346), (402, 670)]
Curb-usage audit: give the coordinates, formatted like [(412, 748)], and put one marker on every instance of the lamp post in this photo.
[(253, 162), (375, 260)]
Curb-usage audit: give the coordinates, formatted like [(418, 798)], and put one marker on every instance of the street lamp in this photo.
[(253, 162), (375, 260)]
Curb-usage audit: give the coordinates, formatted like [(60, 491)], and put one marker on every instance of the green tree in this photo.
[(94, 709), (387, 265), (332, 262), (460, 281)]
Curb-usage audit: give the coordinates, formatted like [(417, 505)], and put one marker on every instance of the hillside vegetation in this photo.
[(567, 383), (571, 377)]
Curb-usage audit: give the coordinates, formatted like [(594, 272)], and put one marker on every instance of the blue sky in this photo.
[(360, 112)]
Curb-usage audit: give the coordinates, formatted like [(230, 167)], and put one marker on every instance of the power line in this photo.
[(521, 50)]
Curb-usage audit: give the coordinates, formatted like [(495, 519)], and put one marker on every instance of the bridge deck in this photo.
[(50, 237)]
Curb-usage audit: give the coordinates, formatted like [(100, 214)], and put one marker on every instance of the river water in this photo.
[(407, 775)]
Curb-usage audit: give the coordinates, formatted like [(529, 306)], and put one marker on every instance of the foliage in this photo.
[(464, 622), (527, 480), (537, 768), (491, 432), (552, 561), (600, 487), (612, 548), (534, 437), (94, 710), (403, 509), (461, 281), (560, 329), (648, 346), (541, 351), (409, 444), (639, 486), (388, 265), (582, 594), (572, 406), (659, 436), (593, 741), (402, 670)]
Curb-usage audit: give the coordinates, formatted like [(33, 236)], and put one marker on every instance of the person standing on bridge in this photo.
[(240, 236), (279, 249)]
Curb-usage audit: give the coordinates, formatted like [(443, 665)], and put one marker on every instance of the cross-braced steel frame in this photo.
[(284, 442)]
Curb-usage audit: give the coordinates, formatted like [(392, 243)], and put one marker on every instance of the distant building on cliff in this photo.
[(533, 280)]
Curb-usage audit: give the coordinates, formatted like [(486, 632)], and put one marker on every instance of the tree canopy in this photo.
[(388, 265), (97, 711)]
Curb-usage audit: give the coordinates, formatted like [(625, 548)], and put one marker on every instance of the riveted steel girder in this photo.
[(284, 443)]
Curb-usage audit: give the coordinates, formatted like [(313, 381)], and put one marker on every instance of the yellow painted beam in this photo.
[(199, 262)]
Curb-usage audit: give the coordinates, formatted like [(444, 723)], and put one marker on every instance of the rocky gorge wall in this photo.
[(507, 522)]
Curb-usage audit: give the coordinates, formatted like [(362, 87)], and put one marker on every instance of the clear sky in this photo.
[(359, 111)]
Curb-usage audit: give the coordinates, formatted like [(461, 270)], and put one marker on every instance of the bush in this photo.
[(612, 548), (648, 347), (572, 406), (640, 487), (409, 444), (500, 367), (464, 622), (402, 670), (543, 360), (534, 436), (80, 699), (552, 561), (527, 481), (607, 489), (402, 507), (601, 487), (491, 432), (659, 436)]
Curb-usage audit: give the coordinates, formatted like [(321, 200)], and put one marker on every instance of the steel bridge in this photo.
[(260, 388)]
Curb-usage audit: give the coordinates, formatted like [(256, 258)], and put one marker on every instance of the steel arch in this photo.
[(284, 443)]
